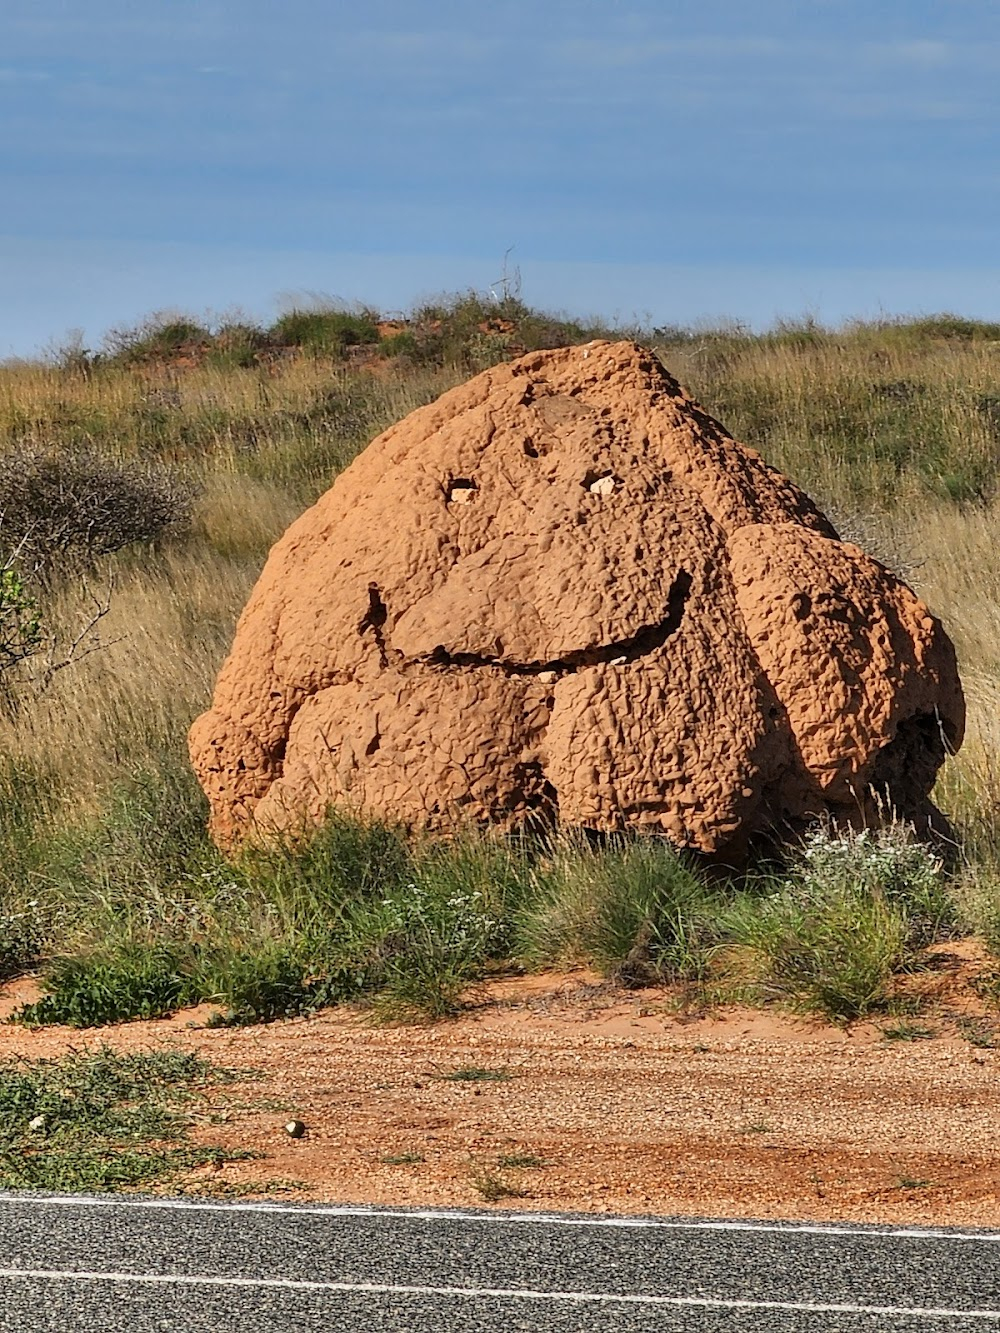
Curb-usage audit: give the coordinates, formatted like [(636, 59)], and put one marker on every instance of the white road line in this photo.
[(497, 1218), (493, 1293)]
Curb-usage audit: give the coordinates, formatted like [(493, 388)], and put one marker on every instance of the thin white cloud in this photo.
[(603, 54), (962, 60), (924, 54), (909, 107), (9, 74), (411, 44)]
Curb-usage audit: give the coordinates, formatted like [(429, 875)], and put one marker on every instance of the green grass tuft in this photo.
[(904, 1031), (102, 1120), (517, 1161), (491, 1187), (855, 910), (324, 331), (631, 907)]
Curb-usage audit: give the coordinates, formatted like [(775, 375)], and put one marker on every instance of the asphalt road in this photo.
[(111, 1264)]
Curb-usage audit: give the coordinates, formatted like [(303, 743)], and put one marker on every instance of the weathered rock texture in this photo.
[(563, 590)]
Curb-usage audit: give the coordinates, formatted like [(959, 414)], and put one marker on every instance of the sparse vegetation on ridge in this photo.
[(214, 438)]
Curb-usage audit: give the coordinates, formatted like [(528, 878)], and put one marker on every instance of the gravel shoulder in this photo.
[(578, 1098)]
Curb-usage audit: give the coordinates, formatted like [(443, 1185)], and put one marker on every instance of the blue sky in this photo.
[(672, 160)]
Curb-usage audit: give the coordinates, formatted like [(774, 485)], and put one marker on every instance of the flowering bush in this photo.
[(852, 912)]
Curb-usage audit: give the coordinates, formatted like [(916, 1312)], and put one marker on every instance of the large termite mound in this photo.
[(563, 591)]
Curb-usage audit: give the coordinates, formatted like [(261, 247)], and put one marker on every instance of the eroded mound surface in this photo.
[(563, 590)]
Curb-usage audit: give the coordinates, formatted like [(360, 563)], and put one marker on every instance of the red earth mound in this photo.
[(564, 591)]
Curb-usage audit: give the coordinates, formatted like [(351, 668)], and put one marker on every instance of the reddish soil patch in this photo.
[(611, 1102)]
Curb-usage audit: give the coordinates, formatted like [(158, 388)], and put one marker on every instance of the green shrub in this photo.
[(20, 625), (632, 908), (948, 326), (28, 855), (888, 863), (161, 337), (254, 985), (352, 911), (445, 925), (834, 951), (237, 345), (400, 344), (855, 909), (324, 332), (110, 986), (251, 982), (344, 862), (474, 331), (978, 894), (22, 937)]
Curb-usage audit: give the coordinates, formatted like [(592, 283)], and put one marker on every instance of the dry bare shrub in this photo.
[(59, 510), (878, 536)]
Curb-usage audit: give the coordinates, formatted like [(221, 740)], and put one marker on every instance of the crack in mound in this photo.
[(644, 641)]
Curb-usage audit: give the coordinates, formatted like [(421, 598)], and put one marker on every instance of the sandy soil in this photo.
[(613, 1102)]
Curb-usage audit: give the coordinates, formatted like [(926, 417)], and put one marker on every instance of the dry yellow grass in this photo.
[(149, 668), (957, 571)]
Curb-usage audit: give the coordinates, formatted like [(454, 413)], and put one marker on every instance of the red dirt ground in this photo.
[(607, 1102)]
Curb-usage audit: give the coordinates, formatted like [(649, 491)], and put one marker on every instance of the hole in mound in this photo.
[(374, 619), (375, 616), (543, 802), (461, 490), (905, 770), (601, 483)]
